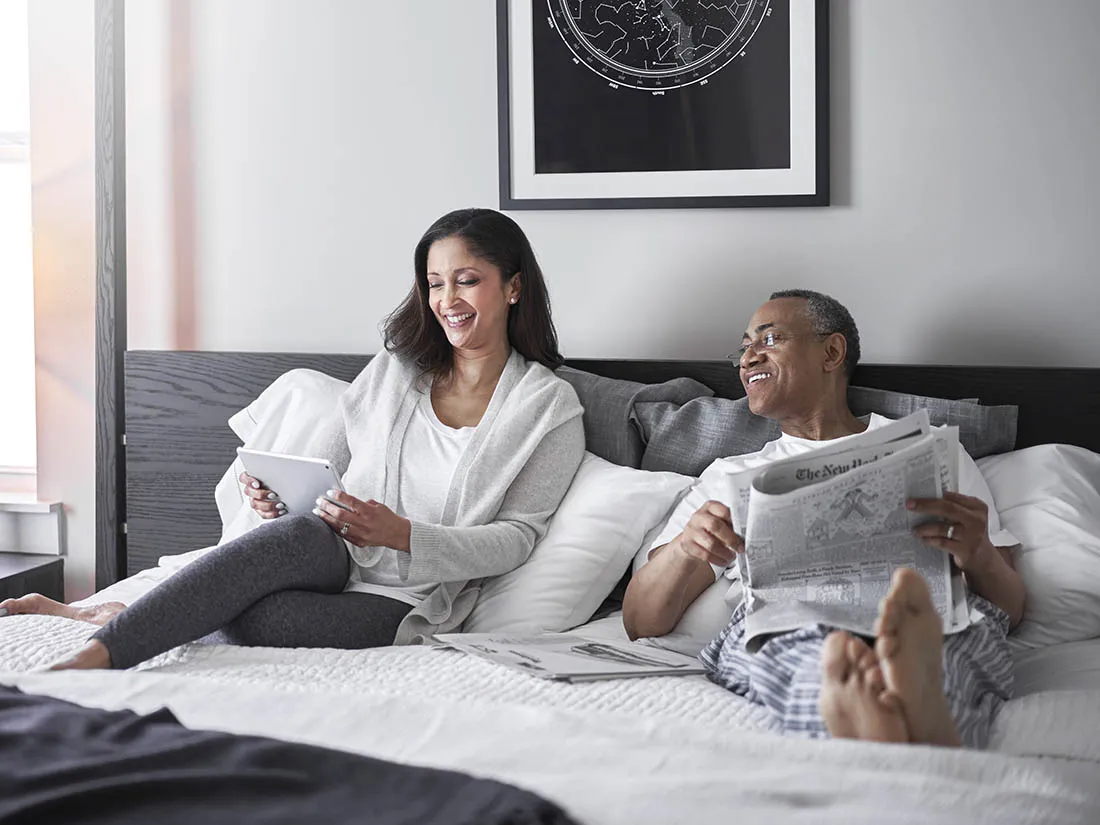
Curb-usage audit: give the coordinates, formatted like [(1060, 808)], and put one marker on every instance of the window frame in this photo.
[(18, 479)]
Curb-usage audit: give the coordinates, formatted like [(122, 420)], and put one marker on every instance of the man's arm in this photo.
[(993, 576), (662, 590), (677, 573)]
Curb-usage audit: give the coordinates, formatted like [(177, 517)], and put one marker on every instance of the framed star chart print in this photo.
[(619, 104)]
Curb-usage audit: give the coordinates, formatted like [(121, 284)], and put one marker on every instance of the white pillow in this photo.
[(606, 515), (283, 419), (1049, 498), (705, 617)]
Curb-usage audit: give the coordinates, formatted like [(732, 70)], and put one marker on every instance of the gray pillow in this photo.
[(686, 438), (609, 430), (982, 430)]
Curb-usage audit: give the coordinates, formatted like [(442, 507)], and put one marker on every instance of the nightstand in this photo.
[(23, 573)]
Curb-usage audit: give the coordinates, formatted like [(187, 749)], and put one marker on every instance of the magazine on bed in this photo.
[(569, 657), (825, 530)]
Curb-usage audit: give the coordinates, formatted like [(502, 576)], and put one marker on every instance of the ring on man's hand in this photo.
[(950, 532), (344, 529)]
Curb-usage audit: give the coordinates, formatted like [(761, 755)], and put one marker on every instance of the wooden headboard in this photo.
[(178, 444)]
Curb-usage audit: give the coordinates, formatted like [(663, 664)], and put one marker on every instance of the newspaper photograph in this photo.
[(572, 658), (825, 531)]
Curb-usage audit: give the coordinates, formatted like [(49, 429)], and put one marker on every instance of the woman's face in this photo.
[(469, 297)]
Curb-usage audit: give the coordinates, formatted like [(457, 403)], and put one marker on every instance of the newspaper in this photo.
[(571, 658), (824, 531)]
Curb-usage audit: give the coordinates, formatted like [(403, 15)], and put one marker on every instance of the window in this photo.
[(17, 427)]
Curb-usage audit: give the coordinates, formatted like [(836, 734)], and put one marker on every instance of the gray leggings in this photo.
[(279, 585)]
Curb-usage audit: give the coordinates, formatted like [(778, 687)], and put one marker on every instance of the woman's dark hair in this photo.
[(412, 332)]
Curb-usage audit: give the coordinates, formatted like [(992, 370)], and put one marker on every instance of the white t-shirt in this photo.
[(710, 486), (429, 455)]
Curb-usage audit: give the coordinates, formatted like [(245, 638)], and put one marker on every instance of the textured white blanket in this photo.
[(28, 642), (631, 751)]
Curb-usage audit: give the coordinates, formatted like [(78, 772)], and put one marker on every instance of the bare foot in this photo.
[(909, 645), (93, 656), (854, 701), (98, 614)]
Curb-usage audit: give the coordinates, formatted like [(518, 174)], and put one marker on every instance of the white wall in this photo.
[(328, 134), (62, 60), (149, 238)]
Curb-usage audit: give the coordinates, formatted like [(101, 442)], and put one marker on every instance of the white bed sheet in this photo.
[(628, 751)]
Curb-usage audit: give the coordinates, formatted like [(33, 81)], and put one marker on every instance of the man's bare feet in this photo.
[(93, 656), (909, 644), (98, 614), (854, 701)]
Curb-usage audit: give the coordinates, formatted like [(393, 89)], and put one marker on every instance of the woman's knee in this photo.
[(304, 528), (308, 534)]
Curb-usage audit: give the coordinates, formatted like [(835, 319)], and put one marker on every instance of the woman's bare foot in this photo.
[(854, 701), (93, 656), (35, 604), (909, 645)]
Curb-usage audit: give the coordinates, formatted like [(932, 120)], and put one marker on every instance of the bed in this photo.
[(657, 750)]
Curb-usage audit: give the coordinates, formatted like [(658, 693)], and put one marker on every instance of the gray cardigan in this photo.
[(508, 483)]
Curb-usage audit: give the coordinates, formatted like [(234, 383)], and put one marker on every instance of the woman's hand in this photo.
[(263, 501), (964, 531), (364, 523)]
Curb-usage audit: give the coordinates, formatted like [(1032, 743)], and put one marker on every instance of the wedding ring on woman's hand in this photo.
[(344, 529), (950, 532)]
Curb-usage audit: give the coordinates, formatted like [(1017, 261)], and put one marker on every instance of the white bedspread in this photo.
[(631, 751), (28, 642)]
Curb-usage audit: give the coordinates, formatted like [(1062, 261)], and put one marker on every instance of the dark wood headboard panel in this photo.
[(178, 443)]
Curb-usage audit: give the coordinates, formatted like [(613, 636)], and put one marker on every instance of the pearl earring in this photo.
[(512, 301)]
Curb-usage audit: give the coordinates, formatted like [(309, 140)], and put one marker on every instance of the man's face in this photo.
[(782, 363)]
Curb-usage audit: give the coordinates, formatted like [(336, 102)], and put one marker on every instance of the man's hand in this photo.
[(964, 533), (988, 569), (709, 536)]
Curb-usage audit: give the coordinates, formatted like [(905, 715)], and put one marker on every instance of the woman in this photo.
[(456, 445)]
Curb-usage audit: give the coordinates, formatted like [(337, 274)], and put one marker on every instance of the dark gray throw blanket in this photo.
[(63, 763)]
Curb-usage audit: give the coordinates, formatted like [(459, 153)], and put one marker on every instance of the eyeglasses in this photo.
[(771, 340)]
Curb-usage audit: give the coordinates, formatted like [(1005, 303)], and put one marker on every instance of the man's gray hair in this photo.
[(828, 316)]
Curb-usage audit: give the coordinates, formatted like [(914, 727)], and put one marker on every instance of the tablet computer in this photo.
[(297, 480)]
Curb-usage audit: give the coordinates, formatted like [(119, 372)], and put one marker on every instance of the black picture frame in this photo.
[(816, 195)]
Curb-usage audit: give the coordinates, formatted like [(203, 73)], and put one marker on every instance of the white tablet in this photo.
[(298, 480)]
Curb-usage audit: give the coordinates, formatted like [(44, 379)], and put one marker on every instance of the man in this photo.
[(796, 358)]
